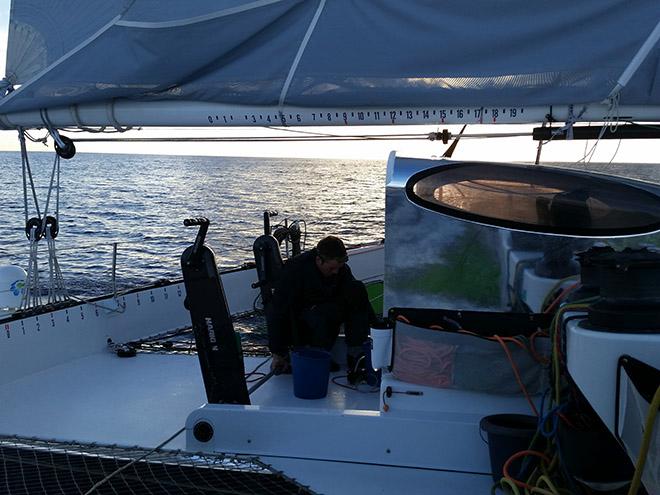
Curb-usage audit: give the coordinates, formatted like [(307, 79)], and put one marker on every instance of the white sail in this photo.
[(342, 55)]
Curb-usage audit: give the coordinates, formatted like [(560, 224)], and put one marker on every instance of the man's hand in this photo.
[(280, 364)]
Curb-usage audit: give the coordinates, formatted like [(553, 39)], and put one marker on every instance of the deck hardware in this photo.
[(203, 431), (218, 345), (67, 151), (114, 269)]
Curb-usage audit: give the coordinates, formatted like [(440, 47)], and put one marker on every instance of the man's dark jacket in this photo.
[(301, 285)]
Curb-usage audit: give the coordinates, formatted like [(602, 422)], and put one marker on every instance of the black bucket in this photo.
[(507, 434)]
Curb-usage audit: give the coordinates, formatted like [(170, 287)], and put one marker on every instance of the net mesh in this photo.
[(250, 326), (34, 466)]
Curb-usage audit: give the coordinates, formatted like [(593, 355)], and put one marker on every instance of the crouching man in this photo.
[(315, 293)]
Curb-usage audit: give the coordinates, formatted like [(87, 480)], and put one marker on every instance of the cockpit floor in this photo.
[(140, 400)]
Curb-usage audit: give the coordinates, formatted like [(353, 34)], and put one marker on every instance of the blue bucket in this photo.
[(311, 372)]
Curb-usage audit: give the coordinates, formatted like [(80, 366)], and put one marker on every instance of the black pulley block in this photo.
[(51, 223), (68, 150), (32, 223)]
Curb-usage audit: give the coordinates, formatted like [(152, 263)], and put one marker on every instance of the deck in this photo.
[(141, 400)]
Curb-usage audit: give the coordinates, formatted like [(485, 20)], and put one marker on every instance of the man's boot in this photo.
[(357, 365)]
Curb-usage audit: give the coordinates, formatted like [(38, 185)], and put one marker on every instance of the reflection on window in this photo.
[(538, 199)]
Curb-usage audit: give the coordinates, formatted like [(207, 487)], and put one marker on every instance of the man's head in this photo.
[(331, 255)]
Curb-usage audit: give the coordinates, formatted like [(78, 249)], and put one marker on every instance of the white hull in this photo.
[(60, 382)]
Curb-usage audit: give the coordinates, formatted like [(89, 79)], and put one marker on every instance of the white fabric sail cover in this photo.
[(358, 53)]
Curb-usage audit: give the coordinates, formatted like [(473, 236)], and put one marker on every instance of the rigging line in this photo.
[(641, 124), (310, 137), (539, 147), (57, 191), (246, 139), (21, 138), (42, 140), (99, 130), (299, 131), (586, 142), (323, 134), (50, 190), (452, 147), (110, 112), (134, 461), (51, 130), (251, 140), (24, 156), (488, 135), (616, 151), (614, 105)]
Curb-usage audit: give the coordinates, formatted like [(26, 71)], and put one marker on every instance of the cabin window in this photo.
[(537, 199)]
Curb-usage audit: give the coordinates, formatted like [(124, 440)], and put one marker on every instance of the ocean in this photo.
[(140, 201)]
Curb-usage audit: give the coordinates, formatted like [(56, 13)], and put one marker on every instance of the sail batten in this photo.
[(355, 53)]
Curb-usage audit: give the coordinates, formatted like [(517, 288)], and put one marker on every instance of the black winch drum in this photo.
[(507, 434)]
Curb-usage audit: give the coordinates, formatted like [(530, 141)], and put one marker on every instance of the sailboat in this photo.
[(503, 285)]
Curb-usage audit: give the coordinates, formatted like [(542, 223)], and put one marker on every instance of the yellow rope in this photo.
[(511, 485), (536, 489), (556, 327), (546, 480), (646, 441)]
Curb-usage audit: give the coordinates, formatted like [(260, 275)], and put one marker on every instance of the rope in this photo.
[(518, 455), (51, 130), (21, 138), (32, 294), (552, 489), (646, 442), (557, 344), (556, 287), (514, 367), (309, 136), (56, 170), (26, 168), (539, 148), (355, 388), (611, 124), (121, 306), (56, 288), (255, 370), (561, 296), (125, 466), (570, 122)]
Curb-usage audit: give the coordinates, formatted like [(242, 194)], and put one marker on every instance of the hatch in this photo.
[(537, 199)]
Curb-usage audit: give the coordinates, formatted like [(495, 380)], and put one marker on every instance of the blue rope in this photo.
[(552, 414)]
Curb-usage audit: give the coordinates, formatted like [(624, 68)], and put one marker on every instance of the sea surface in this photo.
[(140, 201)]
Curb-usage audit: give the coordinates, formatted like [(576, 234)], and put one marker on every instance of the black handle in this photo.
[(192, 222), (195, 254), (267, 215)]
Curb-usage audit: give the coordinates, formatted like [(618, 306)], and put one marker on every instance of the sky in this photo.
[(509, 149)]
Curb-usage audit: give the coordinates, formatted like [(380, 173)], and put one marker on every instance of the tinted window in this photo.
[(538, 199)]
